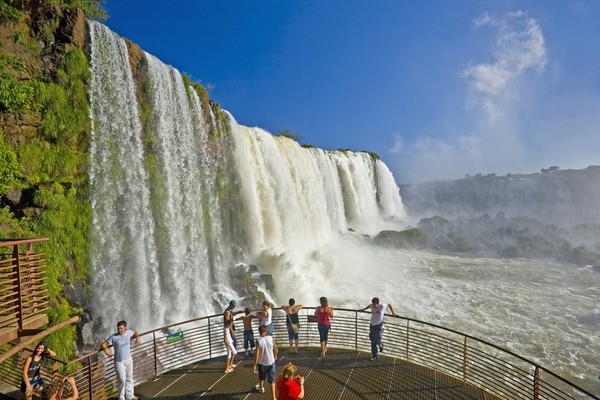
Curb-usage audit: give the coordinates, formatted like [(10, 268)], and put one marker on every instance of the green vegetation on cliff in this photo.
[(14, 10), (44, 137), (10, 169)]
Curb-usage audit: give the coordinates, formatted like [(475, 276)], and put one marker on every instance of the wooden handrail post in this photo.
[(54, 371), (17, 271)]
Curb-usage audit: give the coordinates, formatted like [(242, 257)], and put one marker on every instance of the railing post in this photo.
[(407, 337), (356, 331), (54, 371), (465, 361), (17, 271), (155, 355), (90, 389), (33, 294), (536, 383), (209, 340)]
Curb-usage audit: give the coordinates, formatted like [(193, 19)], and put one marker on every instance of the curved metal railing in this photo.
[(499, 372)]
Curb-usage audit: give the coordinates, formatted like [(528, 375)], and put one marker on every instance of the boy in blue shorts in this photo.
[(248, 332)]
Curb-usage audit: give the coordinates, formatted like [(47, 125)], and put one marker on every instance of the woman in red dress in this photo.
[(289, 385)]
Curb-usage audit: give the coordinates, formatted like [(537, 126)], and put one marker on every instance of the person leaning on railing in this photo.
[(292, 323), (376, 326), (266, 317)]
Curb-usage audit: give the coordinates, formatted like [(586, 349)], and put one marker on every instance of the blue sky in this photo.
[(438, 89)]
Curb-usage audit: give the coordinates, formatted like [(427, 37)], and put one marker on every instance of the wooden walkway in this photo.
[(341, 375)]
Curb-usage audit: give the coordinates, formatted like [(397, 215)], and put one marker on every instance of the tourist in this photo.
[(376, 326), (266, 318), (32, 381), (293, 323), (231, 351), (324, 313), (248, 332), (121, 342), (264, 360), (228, 314), (54, 392), (289, 385)]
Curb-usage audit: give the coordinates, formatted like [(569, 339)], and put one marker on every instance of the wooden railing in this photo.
[(499, 372), (23, 284)]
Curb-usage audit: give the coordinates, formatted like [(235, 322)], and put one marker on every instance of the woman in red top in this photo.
[(324, 313), (290, 386)]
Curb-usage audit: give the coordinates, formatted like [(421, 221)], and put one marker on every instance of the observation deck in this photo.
[(420, 361), (342, 374)]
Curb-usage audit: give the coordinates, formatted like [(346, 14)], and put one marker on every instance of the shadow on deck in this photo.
[(341, 375)]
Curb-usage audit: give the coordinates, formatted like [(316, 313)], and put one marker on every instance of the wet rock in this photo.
[(76, 294), (409, 238), (86, 340), (72, 29), (14, 194), (31, 119), (31, 212), (246, 280)]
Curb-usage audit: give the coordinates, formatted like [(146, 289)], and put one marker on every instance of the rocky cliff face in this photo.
[(44, 136), (555, 214), (565, 198)]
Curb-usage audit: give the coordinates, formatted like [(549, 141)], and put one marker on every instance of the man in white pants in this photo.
[(121, 342)]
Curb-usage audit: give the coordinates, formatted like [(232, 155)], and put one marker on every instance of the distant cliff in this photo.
[(562, 197)]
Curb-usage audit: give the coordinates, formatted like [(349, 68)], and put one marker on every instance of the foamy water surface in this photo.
[(545, 311)]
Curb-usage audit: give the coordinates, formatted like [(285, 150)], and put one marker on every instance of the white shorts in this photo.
[(231, 353)]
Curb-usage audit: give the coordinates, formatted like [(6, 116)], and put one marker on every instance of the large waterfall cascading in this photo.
[(173, 209), (297, 197), (123, 230)]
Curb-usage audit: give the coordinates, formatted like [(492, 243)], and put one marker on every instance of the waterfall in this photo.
[(123, 248), (174, 209)]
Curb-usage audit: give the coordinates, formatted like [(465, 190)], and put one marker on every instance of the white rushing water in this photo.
[(174, 210), (547, 312)]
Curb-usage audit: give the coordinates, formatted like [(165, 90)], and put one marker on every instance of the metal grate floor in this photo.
[(341, 375)]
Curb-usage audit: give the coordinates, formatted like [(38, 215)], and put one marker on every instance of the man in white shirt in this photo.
[(264, 360), (376, 326), (121, 342)]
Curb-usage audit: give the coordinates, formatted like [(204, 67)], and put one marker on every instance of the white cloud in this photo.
[(494, 96), (398, 145), (518, 48)]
